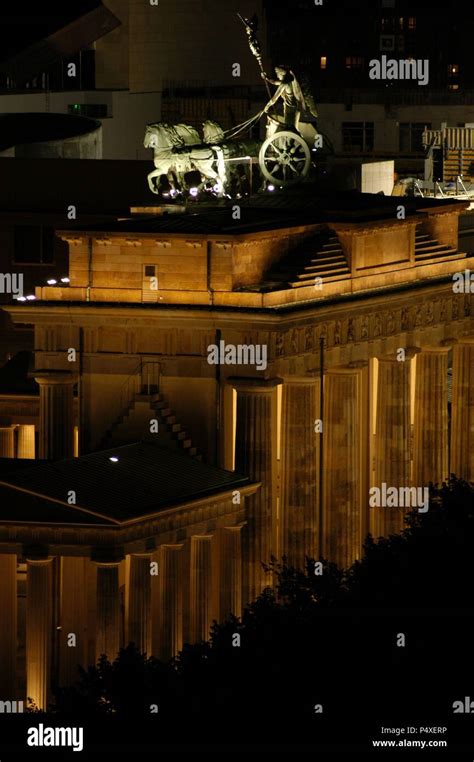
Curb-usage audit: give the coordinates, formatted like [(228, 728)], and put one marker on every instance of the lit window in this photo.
[(400, 24), (412, 23), (453, 87), (323, 62), (453, 70)]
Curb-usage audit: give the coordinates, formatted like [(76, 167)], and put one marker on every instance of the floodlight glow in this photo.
[(113, 459), (64, 280), (51, 282), (270, 187), (30, 297), (193, 191)]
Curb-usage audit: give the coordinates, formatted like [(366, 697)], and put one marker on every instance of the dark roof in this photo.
[(146, 478), (205, 220), (307, 203), (19, 506)]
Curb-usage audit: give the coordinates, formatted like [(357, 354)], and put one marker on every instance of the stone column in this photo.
[(73, 618), (230, 572), (56, 414), (7, 442), (430, 456), (462, 412), (255, 457), (167, 591), (392, 453), (26, 441), (139, 602), (299, 459), (108, 610), (201, 587), (39, 630), (8, 629), (342, 460)]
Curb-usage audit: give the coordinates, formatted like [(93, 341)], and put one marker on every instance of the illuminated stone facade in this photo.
[(398, 353)]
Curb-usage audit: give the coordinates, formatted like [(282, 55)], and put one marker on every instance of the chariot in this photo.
[(283, 158)]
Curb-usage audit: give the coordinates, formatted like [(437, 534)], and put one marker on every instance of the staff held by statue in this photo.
[(254, 45)]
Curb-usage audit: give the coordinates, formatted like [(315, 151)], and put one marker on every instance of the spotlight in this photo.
[(193, 192), (64, 280), (270, 187), (114, 459), (31, 297), (51, 282)]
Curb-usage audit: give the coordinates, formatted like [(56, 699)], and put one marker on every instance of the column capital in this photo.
[(107, 556), (54, 377), (252, 384), (302, 380), (349, 369), (442, 348), (36, 553), (449, 342), (410, 353), (39, 561), (172, 545), (141, 553)]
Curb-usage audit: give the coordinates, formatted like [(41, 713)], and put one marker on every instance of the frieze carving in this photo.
[(308, 338), (350, 330), (364, 328), (376, 326)]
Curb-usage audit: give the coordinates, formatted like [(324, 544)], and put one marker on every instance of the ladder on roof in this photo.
[(459, 181), (417, 187)]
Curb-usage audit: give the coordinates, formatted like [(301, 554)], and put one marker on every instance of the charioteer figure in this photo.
[(290, 92)]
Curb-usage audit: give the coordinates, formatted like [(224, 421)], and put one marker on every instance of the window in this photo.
[(92, 110), (453, 70), (33, 244), (412, 23), (387, 42), (149, 271), (410, 136), (387, 24), (357, 136), (354, 62), (323, 62)]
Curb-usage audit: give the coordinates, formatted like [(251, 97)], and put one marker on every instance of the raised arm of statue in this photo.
[(275, 82)]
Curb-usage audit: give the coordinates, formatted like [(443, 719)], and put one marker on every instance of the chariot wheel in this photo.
[(284, 158)]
